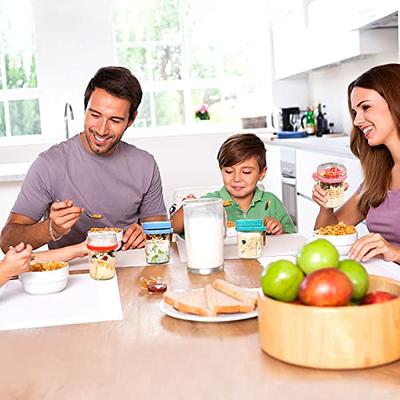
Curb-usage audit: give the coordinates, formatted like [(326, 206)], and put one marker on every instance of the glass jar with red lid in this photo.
[(331, 177), (102, 247)]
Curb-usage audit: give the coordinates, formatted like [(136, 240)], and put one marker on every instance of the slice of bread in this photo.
[(221, 303), (191, 301), (238, 293)]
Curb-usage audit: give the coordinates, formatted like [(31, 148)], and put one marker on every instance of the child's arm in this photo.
[(15, 262), (177, 217), (64, 253)]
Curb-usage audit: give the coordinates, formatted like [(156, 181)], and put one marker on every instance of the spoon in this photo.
[(93, 216)]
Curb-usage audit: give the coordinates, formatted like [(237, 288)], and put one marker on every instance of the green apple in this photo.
[(318, 254), (358, 276), (281, 280)]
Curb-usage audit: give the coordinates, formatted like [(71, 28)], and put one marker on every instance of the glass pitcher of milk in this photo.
[(204, 235)]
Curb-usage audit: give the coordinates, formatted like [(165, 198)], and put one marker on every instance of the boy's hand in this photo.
[(273, 226), (16, 260)]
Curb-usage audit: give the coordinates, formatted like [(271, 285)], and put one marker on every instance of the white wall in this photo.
[(329, 86), (75, 30)]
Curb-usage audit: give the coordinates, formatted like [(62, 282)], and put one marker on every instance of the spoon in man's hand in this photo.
[(93, 216)]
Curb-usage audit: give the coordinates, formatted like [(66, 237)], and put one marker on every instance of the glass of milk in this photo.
[(204, 235)]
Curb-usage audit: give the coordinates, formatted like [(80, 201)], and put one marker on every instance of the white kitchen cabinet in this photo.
[(272, 182), (307, 212), (290, 45)]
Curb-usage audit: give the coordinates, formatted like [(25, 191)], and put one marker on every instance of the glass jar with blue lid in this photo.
[(250, 237), (158, 241)]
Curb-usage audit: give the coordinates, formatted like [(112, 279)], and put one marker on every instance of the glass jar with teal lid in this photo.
[(158, 241), (250, 237)]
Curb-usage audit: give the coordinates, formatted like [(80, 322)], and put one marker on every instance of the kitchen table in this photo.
[(148, 355)]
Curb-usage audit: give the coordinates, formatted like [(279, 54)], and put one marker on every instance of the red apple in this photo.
[(327, 287), (377, 297)]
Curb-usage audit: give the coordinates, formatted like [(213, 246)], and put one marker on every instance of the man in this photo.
[(93, 171)]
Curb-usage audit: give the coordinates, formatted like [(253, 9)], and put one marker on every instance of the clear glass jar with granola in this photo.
[(331, 177), (102, 246)]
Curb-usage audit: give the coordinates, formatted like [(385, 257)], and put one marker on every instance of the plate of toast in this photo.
[(220, 301)]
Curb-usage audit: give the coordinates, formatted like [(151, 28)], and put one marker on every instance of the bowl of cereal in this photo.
[(45, 277), (340, 235), (118, 232)]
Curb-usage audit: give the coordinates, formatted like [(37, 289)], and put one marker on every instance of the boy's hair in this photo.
[(119, 82), (241, 147)]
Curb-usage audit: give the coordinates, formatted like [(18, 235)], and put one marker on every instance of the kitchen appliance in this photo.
[(280, 118), (288, 179)]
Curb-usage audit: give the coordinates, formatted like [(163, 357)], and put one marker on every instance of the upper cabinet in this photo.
[(325, 32)]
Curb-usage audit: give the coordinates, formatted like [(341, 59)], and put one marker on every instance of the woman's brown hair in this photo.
[(241, 147), (376, 161)]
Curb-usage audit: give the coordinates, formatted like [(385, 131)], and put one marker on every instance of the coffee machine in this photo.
[(280, 118)]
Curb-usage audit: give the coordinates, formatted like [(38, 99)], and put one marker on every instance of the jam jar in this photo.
[(158, 241), (250, 237), (331, 177), (102, 247)]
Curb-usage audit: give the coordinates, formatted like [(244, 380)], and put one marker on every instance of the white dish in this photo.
[(338, 240), (170, 311), (45, 282)]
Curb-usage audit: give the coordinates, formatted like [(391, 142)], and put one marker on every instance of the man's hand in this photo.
[(273, 226), (134, 237), (64, 216), (373, 245)]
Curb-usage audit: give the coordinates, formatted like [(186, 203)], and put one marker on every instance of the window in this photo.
[(19, 99), (187, 53)]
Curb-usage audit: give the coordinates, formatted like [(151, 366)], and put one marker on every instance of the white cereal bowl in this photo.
[(45, 282), (343, 243)]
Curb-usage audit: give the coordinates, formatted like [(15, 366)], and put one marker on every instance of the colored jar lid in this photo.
[(249, 225), (331, 173), (157, 227)]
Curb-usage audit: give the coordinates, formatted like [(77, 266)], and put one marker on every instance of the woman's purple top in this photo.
[(385, 219)]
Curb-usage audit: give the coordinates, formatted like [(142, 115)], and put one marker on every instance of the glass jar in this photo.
[(250, 237), (102, 246), (331, 177), (158, 241)]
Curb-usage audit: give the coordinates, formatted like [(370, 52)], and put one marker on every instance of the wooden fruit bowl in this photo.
[(333, 337)]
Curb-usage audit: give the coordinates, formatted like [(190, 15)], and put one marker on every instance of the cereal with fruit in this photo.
[(331, 177)]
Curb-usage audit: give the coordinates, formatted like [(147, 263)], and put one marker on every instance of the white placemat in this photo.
[(128, 258), (83, 300), (278, 245)]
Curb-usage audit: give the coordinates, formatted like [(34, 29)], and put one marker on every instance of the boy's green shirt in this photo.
[(257, 208)]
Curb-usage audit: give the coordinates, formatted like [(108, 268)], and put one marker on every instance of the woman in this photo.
[(374, 103)]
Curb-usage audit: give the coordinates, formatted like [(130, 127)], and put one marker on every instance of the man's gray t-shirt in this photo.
[(124, 186)]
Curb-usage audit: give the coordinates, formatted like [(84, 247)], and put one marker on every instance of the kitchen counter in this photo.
[(334, 145), (13, 172)]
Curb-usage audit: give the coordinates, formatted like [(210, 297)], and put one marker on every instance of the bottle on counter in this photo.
[(320, 121), (309, 124), (250, 237), (158, 241)]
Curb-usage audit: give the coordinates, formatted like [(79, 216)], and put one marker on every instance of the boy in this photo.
[(242, 161)]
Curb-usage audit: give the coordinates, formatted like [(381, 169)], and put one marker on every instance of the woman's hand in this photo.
[(273, 226), (318, 195), (373, 245)]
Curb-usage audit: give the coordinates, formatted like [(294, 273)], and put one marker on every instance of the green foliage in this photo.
[(20, 73), (24, 117), (2, 120)]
